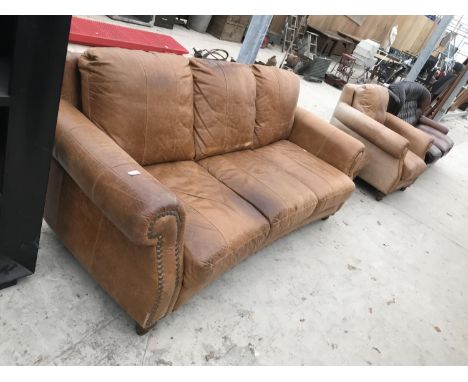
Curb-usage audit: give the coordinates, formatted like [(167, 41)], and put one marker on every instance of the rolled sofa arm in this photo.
[(136, 204), (435, 125), (371, 130), (419, 141), (327, 142)]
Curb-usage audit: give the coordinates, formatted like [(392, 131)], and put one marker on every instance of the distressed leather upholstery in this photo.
[(130, 118), (224, 107), (221, 227), (408, 100), (395, 150), (279, 196), (169, 171), (277, 93)]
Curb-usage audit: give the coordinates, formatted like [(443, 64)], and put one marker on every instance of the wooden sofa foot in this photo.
[(403, 189), (379, 196), (142, 331), (326, 217)]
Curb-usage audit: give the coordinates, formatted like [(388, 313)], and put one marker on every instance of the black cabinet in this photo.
[(32, 57)]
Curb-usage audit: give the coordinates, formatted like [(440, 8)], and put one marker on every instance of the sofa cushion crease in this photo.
[(218, 221)]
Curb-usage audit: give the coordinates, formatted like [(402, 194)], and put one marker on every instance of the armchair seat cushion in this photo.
[(433, 154), (443, 142), (330, 186), (221, 228), (282, 198), (413, 166)]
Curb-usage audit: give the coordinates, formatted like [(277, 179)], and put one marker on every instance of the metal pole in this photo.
[(429, 47), (254, 38), (443, 110)]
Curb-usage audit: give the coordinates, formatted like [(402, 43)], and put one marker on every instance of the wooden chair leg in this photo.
[(379, 196), (142, 331)]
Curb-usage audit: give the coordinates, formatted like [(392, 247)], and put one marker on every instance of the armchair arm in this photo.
[(327, 142), (419, 142), (435, 125), (371, 130), (139, 206)]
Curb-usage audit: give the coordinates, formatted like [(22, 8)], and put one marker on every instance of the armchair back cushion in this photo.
[(143, 101), (371, 100)]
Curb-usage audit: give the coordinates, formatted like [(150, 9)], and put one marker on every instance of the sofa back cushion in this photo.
[(276, 101), (144, 101), (224, 107), (371, 100)]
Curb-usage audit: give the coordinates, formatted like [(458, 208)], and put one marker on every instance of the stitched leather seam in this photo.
[(160, 265), (279, 97), (88, 92), (226, 111), (281, 198), (354, 162), (146, 109), (312, 170), (401, 162), (105, 169), (309, 169), (230, 250), (179, 123), (347, 171), (324, 143), (210, 223), (98, 235)]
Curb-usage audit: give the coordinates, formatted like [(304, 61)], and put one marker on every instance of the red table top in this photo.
[(97, 33)]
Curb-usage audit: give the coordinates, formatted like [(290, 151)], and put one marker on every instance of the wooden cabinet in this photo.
[(229, 28)]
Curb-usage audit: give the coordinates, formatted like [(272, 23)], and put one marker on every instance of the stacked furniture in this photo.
[(229, 28), (408, 100), (395, 150), (167, 172)]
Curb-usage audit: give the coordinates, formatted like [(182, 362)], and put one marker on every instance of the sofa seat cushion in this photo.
[(221, 228), (413, 166), (283, 199), (330, 185), (433, 154)]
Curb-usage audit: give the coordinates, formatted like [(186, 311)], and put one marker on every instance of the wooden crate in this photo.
[(229, 28), (164, 21)]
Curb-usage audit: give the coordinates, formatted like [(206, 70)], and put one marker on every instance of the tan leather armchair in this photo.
[(395, 150), (167, 172)]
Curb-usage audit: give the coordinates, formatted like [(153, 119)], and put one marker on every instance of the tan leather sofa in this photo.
[(167, 172), (395, 150)]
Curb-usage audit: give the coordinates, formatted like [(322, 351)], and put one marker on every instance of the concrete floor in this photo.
[(379, 283)]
